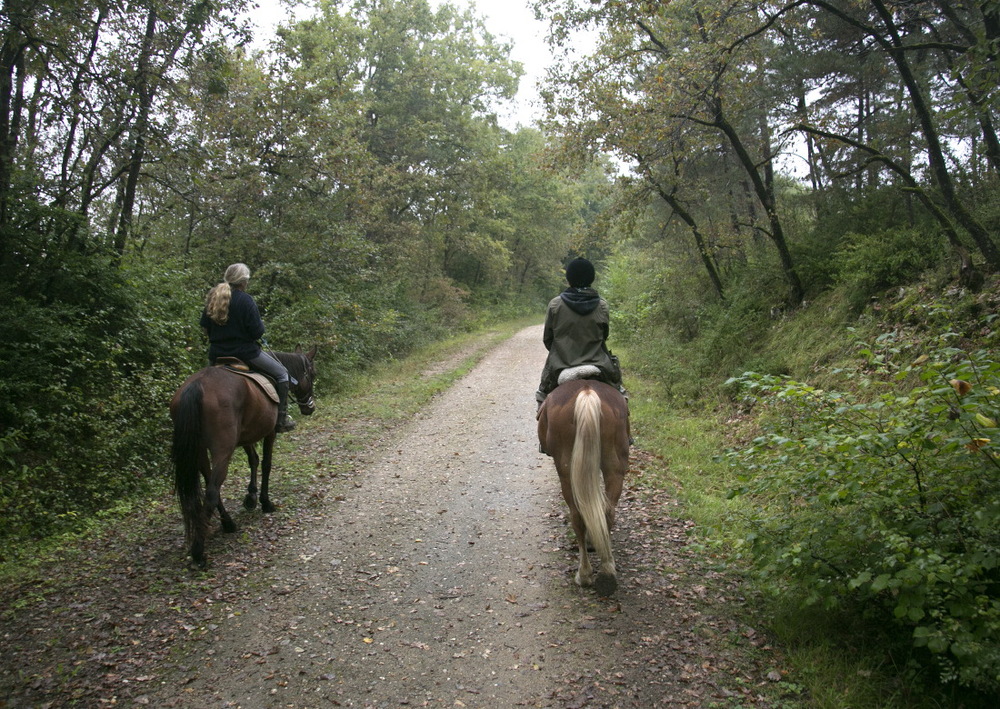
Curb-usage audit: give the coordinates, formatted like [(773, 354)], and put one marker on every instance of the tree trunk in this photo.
[(11, 98), (766, 198), (144, 92), (699, 240), (935, 153)]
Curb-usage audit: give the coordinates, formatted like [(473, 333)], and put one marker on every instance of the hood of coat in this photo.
[(582, 301)]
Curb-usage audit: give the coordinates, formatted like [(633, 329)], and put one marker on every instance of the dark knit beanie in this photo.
[(580, 273)]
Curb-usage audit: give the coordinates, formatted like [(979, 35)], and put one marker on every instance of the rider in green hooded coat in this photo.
[(576, 331)]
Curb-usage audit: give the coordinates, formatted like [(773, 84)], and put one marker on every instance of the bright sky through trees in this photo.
[(509, 20), (514, 20)]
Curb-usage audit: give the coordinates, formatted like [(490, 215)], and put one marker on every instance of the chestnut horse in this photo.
[(583, 424), (215, 411)]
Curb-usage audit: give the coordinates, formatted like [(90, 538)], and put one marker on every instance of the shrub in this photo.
[(869, 263), (89, 365), (891, 501)]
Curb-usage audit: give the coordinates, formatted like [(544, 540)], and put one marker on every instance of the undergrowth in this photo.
[(859, 494)]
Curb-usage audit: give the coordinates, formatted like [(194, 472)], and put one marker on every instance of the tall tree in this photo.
[(660, 66), (903, 33), (80, 85)]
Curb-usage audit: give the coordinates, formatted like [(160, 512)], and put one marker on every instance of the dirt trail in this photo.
[(444, 578)]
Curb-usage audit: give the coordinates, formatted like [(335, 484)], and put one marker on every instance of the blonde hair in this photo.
[(217, 300)]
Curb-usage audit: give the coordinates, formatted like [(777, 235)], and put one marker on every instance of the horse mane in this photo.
[(295, 363)]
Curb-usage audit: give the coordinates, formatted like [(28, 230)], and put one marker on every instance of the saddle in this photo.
[(238, 366)]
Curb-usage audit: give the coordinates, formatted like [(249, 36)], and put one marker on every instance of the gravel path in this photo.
[(443, 577)]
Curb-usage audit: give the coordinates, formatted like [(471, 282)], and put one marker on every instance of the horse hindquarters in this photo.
[(187, 451)]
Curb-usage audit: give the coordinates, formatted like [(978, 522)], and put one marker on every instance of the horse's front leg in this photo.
[(250, 501), (265, 475)]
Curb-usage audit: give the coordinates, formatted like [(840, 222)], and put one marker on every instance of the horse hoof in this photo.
[(249, 502), (605, 585), (229, 527), (267, 506)]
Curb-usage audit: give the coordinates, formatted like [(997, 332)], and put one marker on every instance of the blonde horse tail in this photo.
[(587, 479)]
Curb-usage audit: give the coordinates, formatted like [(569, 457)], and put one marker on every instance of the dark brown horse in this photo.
[(584, 426), (215, 411)]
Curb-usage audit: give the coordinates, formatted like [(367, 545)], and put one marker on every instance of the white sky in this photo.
[(508, 20), (513, 20)]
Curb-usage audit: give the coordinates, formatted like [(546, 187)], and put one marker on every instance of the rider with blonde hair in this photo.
[(233, 325)]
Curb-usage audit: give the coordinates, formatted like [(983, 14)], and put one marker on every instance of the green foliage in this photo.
[(84, 377), (734, 332), (663, 308), (869, 263), (890, 501)]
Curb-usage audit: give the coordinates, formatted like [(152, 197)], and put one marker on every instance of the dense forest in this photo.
[(732, 166), (356, 166)]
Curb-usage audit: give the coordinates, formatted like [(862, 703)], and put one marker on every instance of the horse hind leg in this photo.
[(199, 533), (213, 492), (615, 467), (200, 514), (250, 501), (228, 525), (606, 581), (198, 555), (584, 572)]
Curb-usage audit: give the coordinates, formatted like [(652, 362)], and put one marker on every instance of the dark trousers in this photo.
[(270, 366)]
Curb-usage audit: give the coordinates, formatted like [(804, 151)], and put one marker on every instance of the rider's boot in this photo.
[(540, 399), (284, 423), (631, 440)]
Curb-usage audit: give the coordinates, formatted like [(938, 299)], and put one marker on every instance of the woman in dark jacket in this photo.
[(576, 330), (233, 325)]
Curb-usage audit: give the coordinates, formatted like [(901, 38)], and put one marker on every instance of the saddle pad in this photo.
[(584, 371), (262, 381)]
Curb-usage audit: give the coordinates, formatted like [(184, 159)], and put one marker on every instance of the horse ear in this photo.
[(298, 349), (311, 354)]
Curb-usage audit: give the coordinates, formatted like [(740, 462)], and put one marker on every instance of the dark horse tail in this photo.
[(185, 452)]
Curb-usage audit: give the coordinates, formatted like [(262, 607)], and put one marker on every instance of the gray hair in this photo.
[(237, 273)]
